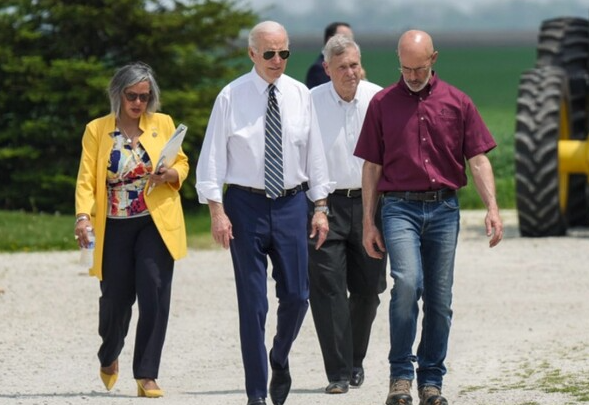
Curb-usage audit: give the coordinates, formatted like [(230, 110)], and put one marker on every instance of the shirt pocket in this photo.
[(296, 132), (447, 128)]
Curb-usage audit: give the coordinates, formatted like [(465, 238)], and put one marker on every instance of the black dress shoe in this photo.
[(337, 387), (357, 377), (280, 383), (256, 401)]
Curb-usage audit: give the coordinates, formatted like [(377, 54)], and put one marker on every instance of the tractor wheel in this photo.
[(543, 115), (564, 42)]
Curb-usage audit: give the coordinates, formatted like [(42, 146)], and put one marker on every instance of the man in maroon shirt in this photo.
[(417, 136)]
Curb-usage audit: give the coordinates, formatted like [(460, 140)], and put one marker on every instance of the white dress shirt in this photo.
[(233, 147), (340, 123)]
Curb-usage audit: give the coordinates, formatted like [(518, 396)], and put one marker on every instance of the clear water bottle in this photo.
[(87, 253)]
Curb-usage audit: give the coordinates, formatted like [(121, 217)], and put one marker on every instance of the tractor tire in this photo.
[(564, 42), (542, 98)]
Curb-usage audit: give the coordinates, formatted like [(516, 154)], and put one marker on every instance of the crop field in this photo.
[(489, 75)]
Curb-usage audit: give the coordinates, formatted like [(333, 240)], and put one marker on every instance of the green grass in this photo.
[(543, 376), (489, 75), (26, 232)]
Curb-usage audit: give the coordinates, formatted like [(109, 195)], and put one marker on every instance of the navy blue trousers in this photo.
[(262, 229)]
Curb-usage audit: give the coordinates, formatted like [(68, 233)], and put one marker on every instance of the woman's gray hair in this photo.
[(338, 45), (263, 28), (130, 75)]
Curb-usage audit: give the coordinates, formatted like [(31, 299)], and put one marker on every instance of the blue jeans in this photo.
[(421, 240)]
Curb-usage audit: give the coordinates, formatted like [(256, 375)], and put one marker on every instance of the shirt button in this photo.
[(421, 118), (423, 139), (426, 160), (433, 180)]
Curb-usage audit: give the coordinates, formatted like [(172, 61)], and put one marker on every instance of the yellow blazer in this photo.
[(163, 202)]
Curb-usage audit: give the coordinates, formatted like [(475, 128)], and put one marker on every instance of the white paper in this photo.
[(170, 151)]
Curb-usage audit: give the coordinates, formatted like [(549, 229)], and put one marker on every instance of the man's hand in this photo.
[(373, 243), (221, 227), (319, 228), (494, 227)]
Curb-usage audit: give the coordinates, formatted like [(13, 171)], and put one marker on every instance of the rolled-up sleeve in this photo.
[(319, 183), (211, 168)]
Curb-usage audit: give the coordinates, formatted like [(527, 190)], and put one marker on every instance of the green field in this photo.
[(489, 75)]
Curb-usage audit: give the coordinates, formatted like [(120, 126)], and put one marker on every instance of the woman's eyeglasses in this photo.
[(143, 97), (270, 54)]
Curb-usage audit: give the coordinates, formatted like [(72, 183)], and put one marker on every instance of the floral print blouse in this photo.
[(126, 176)]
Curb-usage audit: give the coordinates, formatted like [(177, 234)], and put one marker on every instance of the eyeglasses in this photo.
[(143, 97), (418, 70), (407, 70), (270, 54)]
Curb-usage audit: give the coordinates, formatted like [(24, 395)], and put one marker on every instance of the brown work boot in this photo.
[(399, 392), (430, 395)]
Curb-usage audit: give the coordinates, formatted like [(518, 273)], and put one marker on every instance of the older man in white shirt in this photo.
[(263, 142), (343, 322)]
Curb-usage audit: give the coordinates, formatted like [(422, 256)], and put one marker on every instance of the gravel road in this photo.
[(520, 331)]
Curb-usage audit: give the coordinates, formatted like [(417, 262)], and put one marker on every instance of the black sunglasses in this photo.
[(143, 97), (270, 54)]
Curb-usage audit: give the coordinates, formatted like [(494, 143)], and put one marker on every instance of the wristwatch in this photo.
[(322, 208)]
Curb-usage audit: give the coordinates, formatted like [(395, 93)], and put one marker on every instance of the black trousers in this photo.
[(343, 322), (136, 265)]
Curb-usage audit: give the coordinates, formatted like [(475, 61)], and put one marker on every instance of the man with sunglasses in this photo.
[(263, 142), (345, 282), (417, 137)]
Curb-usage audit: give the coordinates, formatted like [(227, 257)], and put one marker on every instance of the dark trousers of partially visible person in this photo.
[(136, 263), (343, 323), (264, 228)]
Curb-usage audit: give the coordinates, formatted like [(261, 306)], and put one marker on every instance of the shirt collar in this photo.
[(339, 100), (262, 85)]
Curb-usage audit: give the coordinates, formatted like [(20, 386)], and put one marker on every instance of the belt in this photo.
[(284, 193), (426, 196), (349, 192)]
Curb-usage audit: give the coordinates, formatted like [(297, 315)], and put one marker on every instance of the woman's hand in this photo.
[(80, 231), (165, 175)]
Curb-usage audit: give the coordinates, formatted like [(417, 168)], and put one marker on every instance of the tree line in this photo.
[(57, 57)]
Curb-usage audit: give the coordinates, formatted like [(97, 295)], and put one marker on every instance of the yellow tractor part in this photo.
[(573, 156)]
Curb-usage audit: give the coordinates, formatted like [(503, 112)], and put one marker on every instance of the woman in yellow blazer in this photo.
[(139, 234)]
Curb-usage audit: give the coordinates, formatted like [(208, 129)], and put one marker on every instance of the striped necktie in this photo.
[(274, 180)]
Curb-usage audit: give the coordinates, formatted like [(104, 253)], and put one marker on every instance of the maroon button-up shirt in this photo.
[(421, 140)]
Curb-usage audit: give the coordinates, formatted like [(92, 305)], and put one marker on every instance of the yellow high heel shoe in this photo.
[(142, 392), (110, 378)]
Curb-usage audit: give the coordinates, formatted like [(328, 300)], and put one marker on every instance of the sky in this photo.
[(306, 6), (300, 16)]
